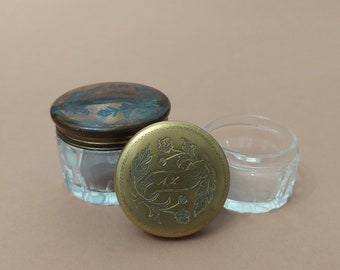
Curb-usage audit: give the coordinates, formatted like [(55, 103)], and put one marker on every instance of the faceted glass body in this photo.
[(89, 174), (263, 157)]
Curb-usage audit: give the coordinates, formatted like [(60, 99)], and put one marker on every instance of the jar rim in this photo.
[(261, 122)]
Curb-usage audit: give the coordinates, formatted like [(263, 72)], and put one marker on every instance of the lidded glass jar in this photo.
[(93, 123)]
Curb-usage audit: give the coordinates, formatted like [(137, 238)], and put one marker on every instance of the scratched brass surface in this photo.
[(172, 179)]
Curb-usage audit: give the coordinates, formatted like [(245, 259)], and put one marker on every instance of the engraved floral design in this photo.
[(165, 145), (162, 191), (182, 216), (182, 199), (111, 104), (186, 156), (163, 161)]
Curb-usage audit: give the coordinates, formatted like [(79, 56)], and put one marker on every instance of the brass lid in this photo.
[(106, 115), (172, 179)]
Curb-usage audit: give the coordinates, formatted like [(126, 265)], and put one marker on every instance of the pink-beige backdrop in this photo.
[(275, 58)]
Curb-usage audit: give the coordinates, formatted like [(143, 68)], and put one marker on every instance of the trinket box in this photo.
[(93, 124)]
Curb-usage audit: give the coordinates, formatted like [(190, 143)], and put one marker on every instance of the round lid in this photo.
[(172, 179), (106, 115)]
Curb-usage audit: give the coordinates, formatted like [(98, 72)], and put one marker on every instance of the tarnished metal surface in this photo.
[(172, 179), (106, 115)]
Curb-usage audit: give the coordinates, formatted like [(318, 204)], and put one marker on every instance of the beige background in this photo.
[(276, 58)]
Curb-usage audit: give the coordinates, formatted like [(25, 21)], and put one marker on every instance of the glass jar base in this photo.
[(94, 197), (255, 207), (263, 157)]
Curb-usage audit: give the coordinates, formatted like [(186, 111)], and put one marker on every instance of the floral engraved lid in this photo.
[(172, 179), (107, 115)]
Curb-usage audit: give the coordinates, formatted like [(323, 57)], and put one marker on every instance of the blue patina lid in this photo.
[(107, 115)]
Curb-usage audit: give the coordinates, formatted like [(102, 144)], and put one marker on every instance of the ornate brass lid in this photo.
[(107, 115), (172, 179)]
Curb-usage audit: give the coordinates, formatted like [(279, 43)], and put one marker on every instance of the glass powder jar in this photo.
[(93, 123), (263, 156)]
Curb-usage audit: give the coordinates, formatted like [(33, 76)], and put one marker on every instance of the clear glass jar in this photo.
[(263, 157), (89, 174), (93, 124)]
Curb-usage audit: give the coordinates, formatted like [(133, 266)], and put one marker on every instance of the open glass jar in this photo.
[(263, 157), (93, 124)]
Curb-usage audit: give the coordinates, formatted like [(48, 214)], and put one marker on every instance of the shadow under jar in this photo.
[(263, 157), (93, 123)]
